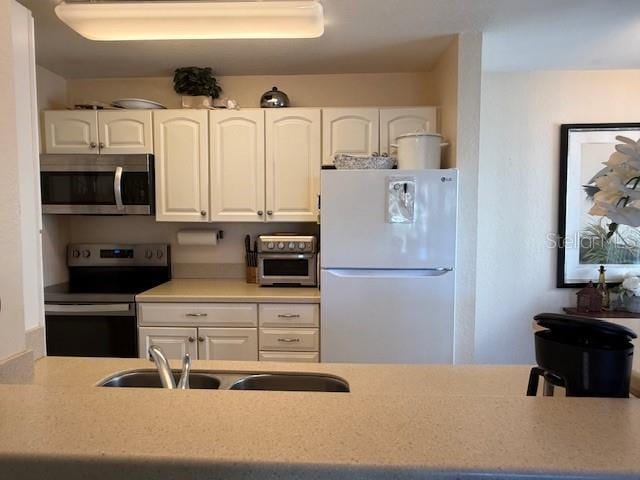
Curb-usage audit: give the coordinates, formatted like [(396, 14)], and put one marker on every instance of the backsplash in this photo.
[(224, 260)]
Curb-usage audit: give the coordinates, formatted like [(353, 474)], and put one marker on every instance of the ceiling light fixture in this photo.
[(192, 20)]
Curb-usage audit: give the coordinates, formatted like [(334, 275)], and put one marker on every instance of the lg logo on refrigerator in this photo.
[(446, 179)]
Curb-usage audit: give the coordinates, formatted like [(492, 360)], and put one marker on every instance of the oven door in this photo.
[(287, 269), (91, 330), (97, 184)]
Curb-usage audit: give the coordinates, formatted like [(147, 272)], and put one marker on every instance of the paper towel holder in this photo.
[(199, 237)]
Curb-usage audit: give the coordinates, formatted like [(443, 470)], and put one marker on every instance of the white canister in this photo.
[(419, 150)]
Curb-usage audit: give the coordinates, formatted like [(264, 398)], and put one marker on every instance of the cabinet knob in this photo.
[(101, 145), (191, 339), (203, 213), (93, 145), (260, 213), (201, 339), (269, 212)]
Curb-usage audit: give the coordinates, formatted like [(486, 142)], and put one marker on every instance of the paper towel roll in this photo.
[(198, 237)]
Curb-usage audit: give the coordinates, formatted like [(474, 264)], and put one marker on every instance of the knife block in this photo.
[(252, 274)]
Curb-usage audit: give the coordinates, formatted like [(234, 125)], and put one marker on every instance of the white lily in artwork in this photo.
[(615, 189), (620, 215)]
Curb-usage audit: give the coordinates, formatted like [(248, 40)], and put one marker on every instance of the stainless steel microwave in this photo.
[(97, 184)]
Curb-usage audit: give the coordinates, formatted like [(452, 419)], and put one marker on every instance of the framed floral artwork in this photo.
[(599, 202)]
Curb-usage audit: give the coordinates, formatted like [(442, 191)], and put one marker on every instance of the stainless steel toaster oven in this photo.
[(287, 260)]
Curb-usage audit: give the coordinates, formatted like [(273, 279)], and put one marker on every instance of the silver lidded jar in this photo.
[(274, 98)]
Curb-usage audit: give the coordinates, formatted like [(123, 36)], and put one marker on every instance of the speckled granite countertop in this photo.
[(398, 422), (222, 290)]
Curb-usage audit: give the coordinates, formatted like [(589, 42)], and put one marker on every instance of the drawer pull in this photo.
[(288, 315), (196, 314), (289, 340)]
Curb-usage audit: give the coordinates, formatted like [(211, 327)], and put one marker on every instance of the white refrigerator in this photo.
[(388, 242)]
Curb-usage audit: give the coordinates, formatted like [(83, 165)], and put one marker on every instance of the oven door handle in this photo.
[(90, 309), (286, 256), (117, 188)]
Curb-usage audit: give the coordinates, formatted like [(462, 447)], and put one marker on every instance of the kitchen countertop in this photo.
[(226, 290), (409, 422)]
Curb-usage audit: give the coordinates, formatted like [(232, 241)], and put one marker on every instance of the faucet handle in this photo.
[(183, 383)]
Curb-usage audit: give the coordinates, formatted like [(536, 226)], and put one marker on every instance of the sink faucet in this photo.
[(166, 376)]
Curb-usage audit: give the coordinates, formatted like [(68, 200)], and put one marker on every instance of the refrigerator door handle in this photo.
[(389, 273)]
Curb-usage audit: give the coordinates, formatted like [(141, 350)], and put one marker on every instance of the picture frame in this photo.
[(580, 240)]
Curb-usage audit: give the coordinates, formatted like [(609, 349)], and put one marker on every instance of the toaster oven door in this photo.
[(287, 269)]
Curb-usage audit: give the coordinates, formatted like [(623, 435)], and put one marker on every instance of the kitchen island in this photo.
[(397, 422)]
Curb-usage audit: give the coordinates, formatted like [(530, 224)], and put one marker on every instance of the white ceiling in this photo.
[(373, 36)]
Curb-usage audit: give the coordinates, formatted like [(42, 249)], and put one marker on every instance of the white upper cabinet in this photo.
[(237, 165), (71, 131), (353, 131), (125, 131), (293, 160), (398, 121), (180, 140)]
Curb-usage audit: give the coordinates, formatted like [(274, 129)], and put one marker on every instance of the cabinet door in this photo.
[(125, 131), (71, 131), (237, 165), (398, 121), (228, 344), (181, 159), (353, 131), (292, 164), (174, 342)]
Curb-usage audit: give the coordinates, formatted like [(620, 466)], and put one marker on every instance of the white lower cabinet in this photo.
[(227, 344), (289, 339), (174, 342), (231, 331), (303, 357), (201, 343)]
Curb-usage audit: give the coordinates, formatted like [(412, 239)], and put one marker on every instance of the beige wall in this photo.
[(229, 250), (385, 89), (12, 322), (469, 73), (445, 90), (52, 89), (52, 94), (518, 194)]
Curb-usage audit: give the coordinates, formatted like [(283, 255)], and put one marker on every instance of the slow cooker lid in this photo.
[(583, 326), (418, 134)]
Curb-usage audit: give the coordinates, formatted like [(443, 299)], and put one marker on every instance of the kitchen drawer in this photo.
[(303, 357), (198, 314), (289, 315), (291, 339)]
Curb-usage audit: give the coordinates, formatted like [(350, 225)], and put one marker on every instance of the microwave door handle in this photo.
[(117, 188)]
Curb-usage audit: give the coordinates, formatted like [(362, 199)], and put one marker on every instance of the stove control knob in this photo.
[(271, 245), (159, 253), (148, 253), (292, 245), (75, 253), (86, 253), (281, 246), (302, 246)]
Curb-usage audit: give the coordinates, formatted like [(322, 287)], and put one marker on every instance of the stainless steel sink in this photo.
[(151, 379), (291, 383), (207, 379)]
